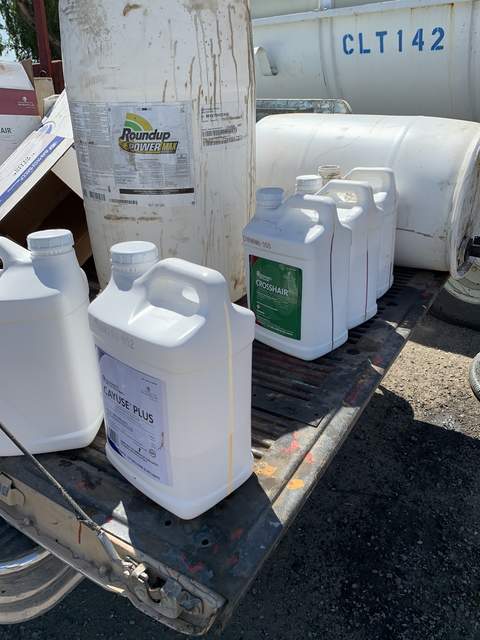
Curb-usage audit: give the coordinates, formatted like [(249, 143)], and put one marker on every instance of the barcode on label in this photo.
[(97, 196), (210, 133), (120, 201), (113, 436), (211, 142)]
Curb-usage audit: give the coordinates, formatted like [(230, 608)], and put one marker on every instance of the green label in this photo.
[(276, 296)]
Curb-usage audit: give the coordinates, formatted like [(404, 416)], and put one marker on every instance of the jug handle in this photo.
[(210, 285), (11, 253), (382, 177), (362, 190)]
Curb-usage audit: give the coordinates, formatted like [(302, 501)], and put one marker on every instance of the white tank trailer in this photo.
[(401, 57)]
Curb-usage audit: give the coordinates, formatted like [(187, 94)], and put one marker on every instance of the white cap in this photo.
[(308, 184), (51, 241), (329, 171), (133, 253), (270, 197)]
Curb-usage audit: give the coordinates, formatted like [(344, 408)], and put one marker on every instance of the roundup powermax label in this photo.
[(139, 137), (276, 296), (138, 154)]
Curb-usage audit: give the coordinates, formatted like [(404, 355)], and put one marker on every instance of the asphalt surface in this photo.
[(386, 548)]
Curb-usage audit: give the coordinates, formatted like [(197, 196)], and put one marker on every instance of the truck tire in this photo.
[(32, 580), (459, 301)]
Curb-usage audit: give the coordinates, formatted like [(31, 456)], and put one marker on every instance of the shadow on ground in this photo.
[(461, 340)]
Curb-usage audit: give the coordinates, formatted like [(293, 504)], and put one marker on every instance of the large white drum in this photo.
[(435, 161), (162, 102)]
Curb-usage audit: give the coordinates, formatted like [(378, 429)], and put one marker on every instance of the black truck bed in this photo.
[(302, 412)]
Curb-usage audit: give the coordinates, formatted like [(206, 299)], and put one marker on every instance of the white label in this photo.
[(135, 153), (223, 123), (33, 158), (136, 417)]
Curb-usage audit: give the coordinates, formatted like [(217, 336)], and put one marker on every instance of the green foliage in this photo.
[(19, 34)]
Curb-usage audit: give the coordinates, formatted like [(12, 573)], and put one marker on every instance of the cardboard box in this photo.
[(40, 184), (19, 113)]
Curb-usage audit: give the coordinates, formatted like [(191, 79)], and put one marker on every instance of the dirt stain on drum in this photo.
[(130, 7)]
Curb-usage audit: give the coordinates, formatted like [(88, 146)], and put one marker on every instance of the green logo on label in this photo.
[(138, 136), (276, 296)]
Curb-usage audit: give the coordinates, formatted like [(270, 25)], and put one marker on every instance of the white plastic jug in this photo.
[(357, 211), (175, 359), (382, 181), (49, 383), (297, 261)]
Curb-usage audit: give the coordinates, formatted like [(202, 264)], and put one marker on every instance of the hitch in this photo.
[(168, 595)]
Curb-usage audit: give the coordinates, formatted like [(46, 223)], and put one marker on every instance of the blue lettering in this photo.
[(363, 49), (381, 36), (400, 40), (437, 46), (347, 38), (418, 40)]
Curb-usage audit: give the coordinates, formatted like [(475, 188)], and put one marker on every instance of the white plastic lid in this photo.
[(330, 171), (308, 184), (50, 241), (133, 253), (270, 197)]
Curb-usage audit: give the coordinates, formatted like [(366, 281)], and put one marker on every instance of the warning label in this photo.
[(223, 123), (136, 417)]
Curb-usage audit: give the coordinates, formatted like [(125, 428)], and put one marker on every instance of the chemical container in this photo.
[(435, 162), (404, 57), (49, 382), (18, 107), (175, 360), (357, 211), (162, 103), (382, 180), (297, 254)]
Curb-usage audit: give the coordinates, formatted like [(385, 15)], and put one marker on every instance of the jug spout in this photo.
[(130, 260)]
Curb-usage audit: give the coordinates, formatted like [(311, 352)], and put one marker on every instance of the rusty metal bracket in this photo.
[(9, 494), (169, 596)]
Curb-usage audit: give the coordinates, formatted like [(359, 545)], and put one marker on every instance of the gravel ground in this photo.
[(387, 546)]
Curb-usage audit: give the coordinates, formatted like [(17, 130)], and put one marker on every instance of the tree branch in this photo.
[(26, 11)]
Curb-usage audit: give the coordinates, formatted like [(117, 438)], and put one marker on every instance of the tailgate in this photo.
[(189, 575)]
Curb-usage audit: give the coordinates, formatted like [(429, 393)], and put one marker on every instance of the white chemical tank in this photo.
[(162, 103), (177, 385), (403, 57), (435, 162)]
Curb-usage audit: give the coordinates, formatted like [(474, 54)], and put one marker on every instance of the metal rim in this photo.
[(27, 561), (466, 289)]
